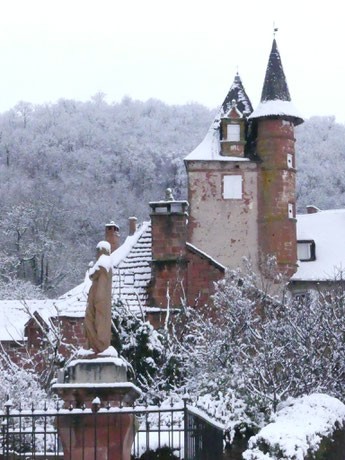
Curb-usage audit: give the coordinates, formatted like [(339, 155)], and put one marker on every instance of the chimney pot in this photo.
[(112, 235), (132, 225)]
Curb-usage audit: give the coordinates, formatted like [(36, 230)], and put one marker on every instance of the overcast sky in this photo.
[(177, 51)]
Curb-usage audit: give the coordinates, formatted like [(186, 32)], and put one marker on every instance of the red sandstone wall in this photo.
[(202, 275), (276, 189)]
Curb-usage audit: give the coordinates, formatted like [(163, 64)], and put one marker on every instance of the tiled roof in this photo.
[(131, 276)]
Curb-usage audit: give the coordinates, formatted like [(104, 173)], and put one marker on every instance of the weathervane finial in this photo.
[(275, 29)]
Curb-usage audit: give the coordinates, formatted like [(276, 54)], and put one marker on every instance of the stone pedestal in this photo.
[(96, 384)]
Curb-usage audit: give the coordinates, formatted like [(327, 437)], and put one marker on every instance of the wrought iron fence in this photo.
[(175, 432)]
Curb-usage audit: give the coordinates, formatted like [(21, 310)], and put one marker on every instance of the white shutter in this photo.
[(232, 187), (233, 133)]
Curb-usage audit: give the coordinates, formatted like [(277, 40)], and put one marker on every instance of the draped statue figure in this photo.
[(98, 311)]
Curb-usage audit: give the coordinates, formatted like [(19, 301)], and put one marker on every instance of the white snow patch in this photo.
[(209, 148), (103, 262), (275, 108), (104, 245), (14, 314), (123, 251), (298, 426), (110, 351), (83, 352), (327, 229), (96, 400), (116, 361)]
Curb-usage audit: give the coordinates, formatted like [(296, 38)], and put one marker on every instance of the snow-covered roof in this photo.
[(275, 97), (327, 229), (204, 255), (209, 148), (276, 108), (14, 314), (131, 275), (237, 93)]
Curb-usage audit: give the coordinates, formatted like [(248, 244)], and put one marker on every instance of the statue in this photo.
[(98, 311)]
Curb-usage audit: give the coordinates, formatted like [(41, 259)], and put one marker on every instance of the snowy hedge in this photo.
[(302, 427)]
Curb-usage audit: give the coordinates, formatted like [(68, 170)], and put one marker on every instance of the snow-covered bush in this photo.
[(300, 428), (21, 386), (263, 348), (139, 344)]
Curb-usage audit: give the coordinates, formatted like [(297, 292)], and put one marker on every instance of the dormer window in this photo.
[(306, 250), (233, 133)]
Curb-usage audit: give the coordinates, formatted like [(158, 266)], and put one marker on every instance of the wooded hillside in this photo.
[(68, 168)]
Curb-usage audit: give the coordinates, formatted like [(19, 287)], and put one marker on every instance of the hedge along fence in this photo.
[(306, 428)]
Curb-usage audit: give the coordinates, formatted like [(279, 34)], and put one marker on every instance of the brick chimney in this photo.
[(169, 235), (311, 209), (132, 225), (112, 235)]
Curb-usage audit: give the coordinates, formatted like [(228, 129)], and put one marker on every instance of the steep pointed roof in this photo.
[(275, 85), (209, 148), (275, 97), (238, 93)]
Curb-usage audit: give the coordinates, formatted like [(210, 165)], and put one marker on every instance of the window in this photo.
[(232, 187), (290, 160), (233, 133), (291, 210), (303, 297), (306, 250)]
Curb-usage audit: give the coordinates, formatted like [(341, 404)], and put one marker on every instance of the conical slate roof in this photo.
[(275, 97), (275, 85), (238, 93)]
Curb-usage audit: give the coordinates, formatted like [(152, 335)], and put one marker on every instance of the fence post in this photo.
[(185, 426), (8, 405)]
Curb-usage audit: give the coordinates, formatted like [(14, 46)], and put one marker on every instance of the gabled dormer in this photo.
[(232, 132)]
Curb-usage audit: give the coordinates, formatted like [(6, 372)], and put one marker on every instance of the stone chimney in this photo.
[(132, 225), (169, 229), (169, 221), (311, 209), (112, 235)]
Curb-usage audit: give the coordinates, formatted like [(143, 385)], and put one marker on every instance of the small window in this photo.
[(232, 187), (289, 160), (291, 210), (233, 133), (306, 250), (303, 297)]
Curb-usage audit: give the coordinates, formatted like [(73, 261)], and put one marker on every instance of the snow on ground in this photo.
[(298, 428), (327, 229)]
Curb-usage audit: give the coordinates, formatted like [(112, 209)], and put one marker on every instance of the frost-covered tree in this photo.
[(263, 347)]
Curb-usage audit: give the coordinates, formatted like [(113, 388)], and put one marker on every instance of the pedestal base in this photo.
[(101, 434), (97, 436)]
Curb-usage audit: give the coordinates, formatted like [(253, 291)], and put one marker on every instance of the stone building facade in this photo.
[(241, 203)]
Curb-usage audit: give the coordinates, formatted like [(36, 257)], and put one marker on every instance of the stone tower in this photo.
[(222, 184), (276, 117), (241, 178)]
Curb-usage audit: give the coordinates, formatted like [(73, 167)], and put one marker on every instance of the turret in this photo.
[(276, 118), (222, 184)]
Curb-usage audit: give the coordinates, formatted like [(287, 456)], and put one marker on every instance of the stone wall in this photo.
[(226, 229)]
